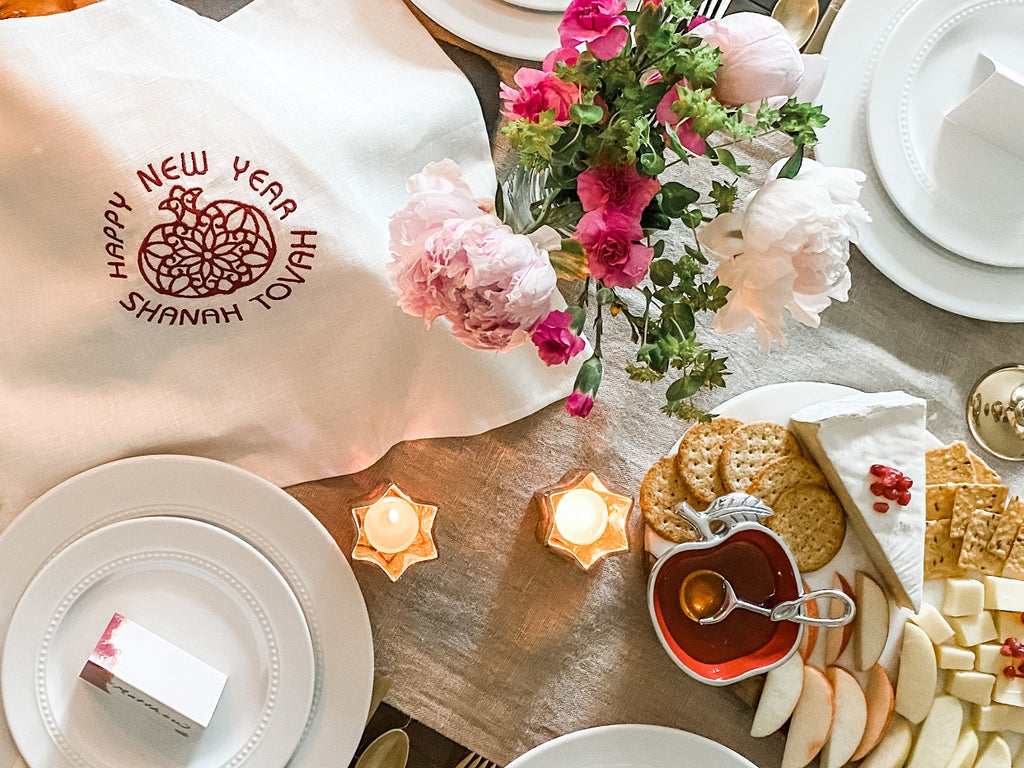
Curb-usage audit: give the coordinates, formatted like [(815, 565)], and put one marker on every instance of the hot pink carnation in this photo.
[(568, 56), (598, 23), (665, 115), (579, 404), (613, 256), (538, 92), (616, 188), (450, 259), (556, 344)]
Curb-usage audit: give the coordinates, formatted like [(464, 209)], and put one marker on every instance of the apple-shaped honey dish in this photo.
[(730, 605)]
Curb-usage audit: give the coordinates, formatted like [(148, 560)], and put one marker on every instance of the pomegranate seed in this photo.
[(881, 507), (1005, 651), (877, 488), (906, 483), (878, 470), (903, 499), (1009, 672), (891, 494)]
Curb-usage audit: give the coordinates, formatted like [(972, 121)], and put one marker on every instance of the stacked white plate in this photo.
[(213, 559), (946, 200), (523, 29)]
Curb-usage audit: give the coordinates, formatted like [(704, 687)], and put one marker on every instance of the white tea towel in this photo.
[(271, 149)]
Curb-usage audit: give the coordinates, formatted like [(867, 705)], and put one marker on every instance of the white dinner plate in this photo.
[(957, 188), (265, 517), (631, 746), (548, 6), (892, 243), (198, 587), (497, 26)]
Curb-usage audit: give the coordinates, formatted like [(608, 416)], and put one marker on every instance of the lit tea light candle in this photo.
[(582, 519), (391, 525), (581, 516), (394, 532)]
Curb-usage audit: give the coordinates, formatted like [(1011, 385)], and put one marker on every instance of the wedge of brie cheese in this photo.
[(846, 437)]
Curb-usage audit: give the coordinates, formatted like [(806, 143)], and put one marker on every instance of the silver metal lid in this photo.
[(995, 412)]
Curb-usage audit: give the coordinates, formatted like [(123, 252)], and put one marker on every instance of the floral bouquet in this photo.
[(628, 95)]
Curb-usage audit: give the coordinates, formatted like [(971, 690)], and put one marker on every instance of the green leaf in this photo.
[(724, 196), (684, 387), (579, 318), (792, 166), (659, 248), (676, 198), (589, 377), (728, 159), (677, 318), (586, 114), (692, 218), (662, 272), (652, 163), (605, 295)]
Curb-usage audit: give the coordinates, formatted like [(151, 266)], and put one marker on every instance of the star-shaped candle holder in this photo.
[(394, 532), (582, 519)]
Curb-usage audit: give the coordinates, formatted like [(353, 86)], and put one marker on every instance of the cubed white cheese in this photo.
[(1008, 625), (963, 597), (975, 687), (990, 659), (999, 717), (1009, 690), (953, 657), (845, 437), (1004, 594), (973, 630), (930, 620)]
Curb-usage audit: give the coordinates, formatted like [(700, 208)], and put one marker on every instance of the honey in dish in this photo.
[(702, 594), (10, 9)]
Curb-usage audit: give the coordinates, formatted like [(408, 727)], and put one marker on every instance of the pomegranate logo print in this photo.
[(209, 251)]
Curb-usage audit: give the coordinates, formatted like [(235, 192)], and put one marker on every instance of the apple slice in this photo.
[(871, 625), (810, 636), (812, 720), (915, 686), (892, 750), (939, 734), (837, 638), (850, 718), (966, 750), (996, 754), (880, 698), (779, 696)]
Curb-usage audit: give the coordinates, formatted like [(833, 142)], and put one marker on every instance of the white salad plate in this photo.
[(956, 187), (631, 746), (858, 38), (254, 510), (198, 587), (498, 26)]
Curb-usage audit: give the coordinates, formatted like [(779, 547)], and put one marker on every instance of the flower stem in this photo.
[(544, 210)]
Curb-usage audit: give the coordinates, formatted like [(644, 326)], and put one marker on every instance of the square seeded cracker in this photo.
[(949, 464), (1009, 523), (972, 498), (1014, 567), (983, 473), (941, 552), (974, 554), (938, 501)]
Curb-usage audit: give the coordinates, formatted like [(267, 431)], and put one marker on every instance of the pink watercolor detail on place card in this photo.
[(106, 649)]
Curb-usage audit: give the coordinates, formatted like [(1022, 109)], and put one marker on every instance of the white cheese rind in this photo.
[(845, 437)]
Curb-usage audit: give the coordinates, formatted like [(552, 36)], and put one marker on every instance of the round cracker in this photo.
[(749, 448), (660, 492), (810, 520), (781, 474), (698, 455)]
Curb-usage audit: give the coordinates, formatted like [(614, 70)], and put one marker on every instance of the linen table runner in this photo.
[(193, 233)]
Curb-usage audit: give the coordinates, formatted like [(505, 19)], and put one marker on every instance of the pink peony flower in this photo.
[(556, 344), (579, 404), (616, 188), (787, 251), (665, 115), (612, 255), (567, 56), (451, 259), (538, 92), (598, 23), (759, 61)]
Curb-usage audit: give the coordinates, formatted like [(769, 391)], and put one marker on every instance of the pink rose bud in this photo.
[(598, 23)]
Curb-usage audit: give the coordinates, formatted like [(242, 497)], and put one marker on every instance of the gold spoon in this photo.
[(799, 17)]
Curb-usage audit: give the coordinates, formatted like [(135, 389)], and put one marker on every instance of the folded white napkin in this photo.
[(995, 109), (133, 131)]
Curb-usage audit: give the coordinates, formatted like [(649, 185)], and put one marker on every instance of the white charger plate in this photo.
[(497, 26), (958, 189), (198, 587), (891, 242), (631, 746), (256, 511)]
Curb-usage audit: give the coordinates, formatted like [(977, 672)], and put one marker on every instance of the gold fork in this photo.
[(473, 760)]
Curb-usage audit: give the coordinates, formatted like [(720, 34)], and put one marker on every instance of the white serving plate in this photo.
[(893, 244), (193, 584), (259, 513), (497, 26), (957, 188), (630, 746)]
